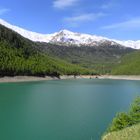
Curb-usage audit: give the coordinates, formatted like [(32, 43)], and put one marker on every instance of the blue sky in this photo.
[(118, 19)]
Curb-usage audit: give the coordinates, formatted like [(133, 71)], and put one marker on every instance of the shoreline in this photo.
[(14, 79), (113, 77), (8, 79), (120, 77)]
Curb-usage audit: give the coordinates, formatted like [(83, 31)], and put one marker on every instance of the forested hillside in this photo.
[(20, 56)]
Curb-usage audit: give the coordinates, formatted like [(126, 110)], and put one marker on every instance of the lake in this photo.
[(62, 109)]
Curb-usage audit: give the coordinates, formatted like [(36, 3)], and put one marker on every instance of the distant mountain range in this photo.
[(68, 38)]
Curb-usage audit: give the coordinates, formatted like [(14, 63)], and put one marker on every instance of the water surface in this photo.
[(62, 109)]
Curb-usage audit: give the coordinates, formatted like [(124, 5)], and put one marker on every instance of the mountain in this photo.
[(97, 53), (20, 56), (68, 38)]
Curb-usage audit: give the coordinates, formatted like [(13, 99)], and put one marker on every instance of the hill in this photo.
[(129, 65), (20, 56), (125, 126)]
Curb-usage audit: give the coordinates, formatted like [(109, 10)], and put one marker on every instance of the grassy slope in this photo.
[(130, 65), (130, 133)]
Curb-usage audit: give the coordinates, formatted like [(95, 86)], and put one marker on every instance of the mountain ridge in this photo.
[(66, 37)]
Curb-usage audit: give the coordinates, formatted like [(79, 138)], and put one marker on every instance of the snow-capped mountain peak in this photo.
[(67, 37), (65, 32)]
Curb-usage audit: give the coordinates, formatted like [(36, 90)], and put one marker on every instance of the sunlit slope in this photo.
[(129, 65), (130, 133)]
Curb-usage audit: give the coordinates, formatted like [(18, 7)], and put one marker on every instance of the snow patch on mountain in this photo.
[(69, 38)]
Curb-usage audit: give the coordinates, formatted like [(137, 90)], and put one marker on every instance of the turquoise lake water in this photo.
[(62, 109)]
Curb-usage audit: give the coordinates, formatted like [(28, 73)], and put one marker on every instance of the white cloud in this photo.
[(84, 17), (75, 21), (131, 24), (61, 4), (3, 11)]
